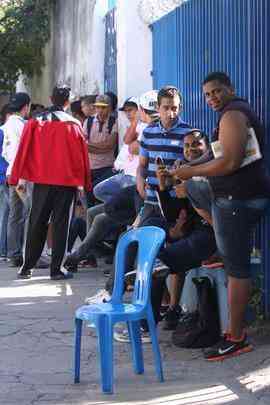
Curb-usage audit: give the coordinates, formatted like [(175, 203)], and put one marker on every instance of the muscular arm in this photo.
[(233, 138)]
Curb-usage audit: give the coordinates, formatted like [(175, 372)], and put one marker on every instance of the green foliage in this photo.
[(24, 31)]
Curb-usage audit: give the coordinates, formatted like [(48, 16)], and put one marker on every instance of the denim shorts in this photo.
[(233, 222), (199, 194)]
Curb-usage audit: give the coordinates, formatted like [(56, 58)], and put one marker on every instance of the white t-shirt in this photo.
[(12, 129), (125, 160)]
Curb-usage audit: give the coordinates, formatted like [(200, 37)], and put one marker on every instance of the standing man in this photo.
[(20, 108), (89, 110), (4, 205), (126, 163), (102, 139), (241, 193), (52, 155)]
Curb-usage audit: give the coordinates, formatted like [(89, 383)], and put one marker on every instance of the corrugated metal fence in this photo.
[(110, 63), (208, 35)]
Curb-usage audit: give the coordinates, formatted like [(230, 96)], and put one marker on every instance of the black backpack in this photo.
[(204, 330)]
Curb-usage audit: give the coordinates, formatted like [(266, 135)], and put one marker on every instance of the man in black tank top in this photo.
[(240, 189)]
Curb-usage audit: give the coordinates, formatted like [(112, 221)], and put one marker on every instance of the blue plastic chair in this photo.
[(105, 315)]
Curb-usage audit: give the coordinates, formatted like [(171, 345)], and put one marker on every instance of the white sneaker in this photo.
[(123, 336), (100, 297)]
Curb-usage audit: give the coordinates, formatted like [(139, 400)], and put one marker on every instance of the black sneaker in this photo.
[(107, 272), (62, 276), (227, 348), (24, 274), (171, 318), (71, 264), (163, 310)]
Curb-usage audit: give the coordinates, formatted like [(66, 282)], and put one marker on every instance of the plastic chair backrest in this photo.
[(149, 240)]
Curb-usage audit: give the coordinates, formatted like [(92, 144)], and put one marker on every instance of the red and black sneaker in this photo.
[(228, 347)]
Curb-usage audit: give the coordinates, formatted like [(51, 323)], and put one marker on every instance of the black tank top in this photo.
[(251, 181)]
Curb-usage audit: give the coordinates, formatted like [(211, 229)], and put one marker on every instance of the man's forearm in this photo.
[(206, 157), (142, 172), (131, 133), (98, 151), (101, 147), (215, 167)]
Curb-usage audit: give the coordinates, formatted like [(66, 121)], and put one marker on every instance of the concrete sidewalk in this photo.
[(36, 358)]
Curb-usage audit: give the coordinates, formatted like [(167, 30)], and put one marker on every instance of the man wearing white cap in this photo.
[(127, 161)]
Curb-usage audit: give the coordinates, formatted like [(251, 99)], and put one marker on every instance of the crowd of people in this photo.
[(63, 177)]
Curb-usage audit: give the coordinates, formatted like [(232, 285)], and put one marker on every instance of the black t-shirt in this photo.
[(251, 181), (171, 207)]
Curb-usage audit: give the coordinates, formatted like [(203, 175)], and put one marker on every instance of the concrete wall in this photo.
[(73, 27), (41, 86), (75, 52)]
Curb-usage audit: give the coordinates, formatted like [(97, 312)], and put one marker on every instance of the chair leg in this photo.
[(136, 346), (105, 341), (78, 335), (155, 347)]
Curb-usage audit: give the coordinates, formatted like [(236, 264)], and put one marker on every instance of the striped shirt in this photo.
[(168, 144)]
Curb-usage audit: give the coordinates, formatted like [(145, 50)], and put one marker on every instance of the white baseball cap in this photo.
[(130, 102), (149, 100)]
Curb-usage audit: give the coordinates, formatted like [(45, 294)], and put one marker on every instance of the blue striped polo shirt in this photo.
[(166, 143)]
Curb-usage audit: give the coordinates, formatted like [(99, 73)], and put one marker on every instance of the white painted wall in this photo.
[(134, 54), (97, 52)]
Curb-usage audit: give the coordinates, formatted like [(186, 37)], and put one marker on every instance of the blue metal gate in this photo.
[(208, 35), (110, 63)]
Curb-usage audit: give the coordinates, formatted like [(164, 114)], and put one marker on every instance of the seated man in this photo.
[(191, 240), (103, 224)]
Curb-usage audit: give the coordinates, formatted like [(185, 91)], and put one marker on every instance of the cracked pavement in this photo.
[(36, 341)]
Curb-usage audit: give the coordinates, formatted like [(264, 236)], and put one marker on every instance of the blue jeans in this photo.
[(4, 211), (233, 222), (111, 186)]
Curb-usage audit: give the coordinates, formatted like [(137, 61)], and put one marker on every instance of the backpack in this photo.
[(204, 330), (90, 121)]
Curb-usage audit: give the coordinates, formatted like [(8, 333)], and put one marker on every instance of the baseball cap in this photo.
[(18, 101), (130, 102), (149, 100), (102, 101)]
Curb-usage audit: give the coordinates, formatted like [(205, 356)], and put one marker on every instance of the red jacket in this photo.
[(54, 153)]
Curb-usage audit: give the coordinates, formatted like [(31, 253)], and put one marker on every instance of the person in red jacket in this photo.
[(53, 155)]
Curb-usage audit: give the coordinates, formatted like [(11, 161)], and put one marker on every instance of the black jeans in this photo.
[(97, 175), (48, 201), (77, 228)]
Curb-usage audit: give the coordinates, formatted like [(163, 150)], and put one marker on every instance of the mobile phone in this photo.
[(160, 162)]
